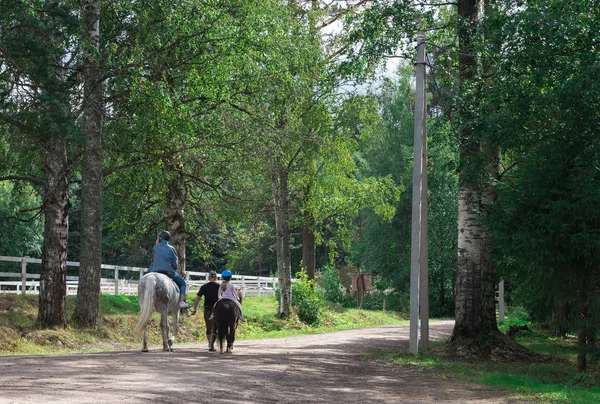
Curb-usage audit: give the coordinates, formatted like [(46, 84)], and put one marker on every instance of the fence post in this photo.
[(116, 281), (141, 273), (24, 276)]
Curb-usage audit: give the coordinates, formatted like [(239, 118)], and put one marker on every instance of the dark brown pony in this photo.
[(226, 317)]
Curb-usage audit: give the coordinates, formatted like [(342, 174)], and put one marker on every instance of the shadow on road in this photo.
[(325, 368)]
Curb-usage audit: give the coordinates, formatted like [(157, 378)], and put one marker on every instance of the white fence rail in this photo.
[(29, 282)]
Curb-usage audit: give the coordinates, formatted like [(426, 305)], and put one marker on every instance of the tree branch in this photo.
[(342, 13), (507, 169), (38, 214), (29, 178)]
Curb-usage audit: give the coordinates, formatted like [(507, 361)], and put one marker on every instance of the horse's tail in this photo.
[(146, 305), (223, 319)]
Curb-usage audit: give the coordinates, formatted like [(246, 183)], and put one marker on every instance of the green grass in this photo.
[(20, 336), (120, 304), (261, 321), (553, 382), (539, 383)]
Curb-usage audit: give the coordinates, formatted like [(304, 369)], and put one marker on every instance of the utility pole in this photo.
[(419, 284)]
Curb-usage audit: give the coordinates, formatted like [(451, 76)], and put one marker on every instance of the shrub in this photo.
[(305, 299), (329, 281)]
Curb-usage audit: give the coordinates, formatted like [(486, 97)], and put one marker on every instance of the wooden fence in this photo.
[(29, 282)]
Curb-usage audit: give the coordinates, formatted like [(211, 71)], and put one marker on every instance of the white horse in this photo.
[(158, 292)]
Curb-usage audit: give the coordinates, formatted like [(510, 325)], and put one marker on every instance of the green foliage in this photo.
[(382, 247), (331, 285), (514, 315), (306, 299), (19, 238), (547, 214)]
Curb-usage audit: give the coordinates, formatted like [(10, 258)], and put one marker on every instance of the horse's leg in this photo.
[(229, 329), (221, 345), (164, 328), (175, 319), (231, 332), (144, 341), (219, 321)]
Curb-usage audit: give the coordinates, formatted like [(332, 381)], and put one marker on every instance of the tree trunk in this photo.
[(279, 183), (442, 290), (582, 335), (559, 313), (475, 276), (582, 318), (90, 271), (175, 221), (53, 280), (309, 246)]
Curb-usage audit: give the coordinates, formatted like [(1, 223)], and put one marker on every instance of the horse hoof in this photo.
[(145, 350)]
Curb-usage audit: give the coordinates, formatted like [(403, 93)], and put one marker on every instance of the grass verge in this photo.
[(554, 382), (19, 334)]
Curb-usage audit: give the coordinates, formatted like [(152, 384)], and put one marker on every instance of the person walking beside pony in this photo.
[(165, 261), (210, 291)]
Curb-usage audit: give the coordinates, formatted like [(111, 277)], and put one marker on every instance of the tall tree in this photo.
[(38, 81), (541, 109), (475, 276), (90, 271), (376, 33)]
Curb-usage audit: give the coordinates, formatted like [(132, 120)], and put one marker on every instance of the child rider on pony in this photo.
[(227, 291)]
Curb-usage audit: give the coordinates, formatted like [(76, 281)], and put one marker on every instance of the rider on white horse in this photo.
[(165, 261)]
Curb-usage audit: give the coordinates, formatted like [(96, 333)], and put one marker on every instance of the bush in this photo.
[(330, 283), (306, 300), (394, 301), (374, 300)]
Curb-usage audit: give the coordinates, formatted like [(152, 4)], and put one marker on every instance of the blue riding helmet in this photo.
[(226, 274)]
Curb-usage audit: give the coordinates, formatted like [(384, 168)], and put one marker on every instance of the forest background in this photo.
[(233, 124)]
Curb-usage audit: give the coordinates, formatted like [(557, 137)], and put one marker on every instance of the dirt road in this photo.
[(325, 368)]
